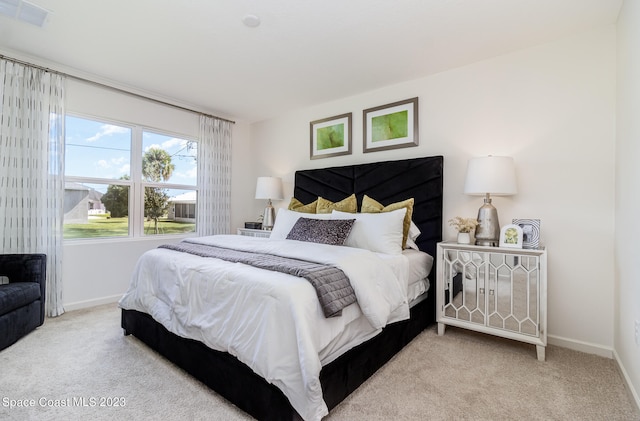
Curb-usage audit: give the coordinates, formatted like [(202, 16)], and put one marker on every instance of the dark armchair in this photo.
[(22, 295)]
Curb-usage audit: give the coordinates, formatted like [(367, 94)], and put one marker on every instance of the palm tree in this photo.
[(156, 167)]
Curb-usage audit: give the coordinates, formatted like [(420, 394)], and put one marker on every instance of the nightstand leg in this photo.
[(441, 327), (540, 351)]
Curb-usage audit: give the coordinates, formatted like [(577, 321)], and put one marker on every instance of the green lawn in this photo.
[(119, 227)]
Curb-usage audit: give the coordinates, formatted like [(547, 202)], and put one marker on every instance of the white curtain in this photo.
[(32, 169), (214, 176)]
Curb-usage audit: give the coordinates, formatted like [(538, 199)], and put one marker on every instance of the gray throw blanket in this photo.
[(332, 284)]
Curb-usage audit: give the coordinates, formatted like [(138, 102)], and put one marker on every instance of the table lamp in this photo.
[(269, 188), (486, 176)]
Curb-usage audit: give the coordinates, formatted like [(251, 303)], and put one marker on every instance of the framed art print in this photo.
[(391, 126), (511, 236), (331, 136), (530, 232)]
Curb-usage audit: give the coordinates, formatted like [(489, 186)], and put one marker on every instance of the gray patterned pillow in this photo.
[(324, 231)]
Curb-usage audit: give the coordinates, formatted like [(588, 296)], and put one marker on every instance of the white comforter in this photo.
[(270, 321)]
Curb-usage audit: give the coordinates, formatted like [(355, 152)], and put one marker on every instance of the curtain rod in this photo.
[(103, 85)]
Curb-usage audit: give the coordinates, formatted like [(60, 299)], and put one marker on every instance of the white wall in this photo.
[(98, 271), (552, 108), (627, 292)]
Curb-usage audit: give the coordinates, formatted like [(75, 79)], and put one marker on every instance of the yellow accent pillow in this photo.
[(298, 206), (370, 205), (349, 204)]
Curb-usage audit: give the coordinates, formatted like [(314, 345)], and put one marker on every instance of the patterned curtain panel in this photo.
[(32, 169), (214, 177)]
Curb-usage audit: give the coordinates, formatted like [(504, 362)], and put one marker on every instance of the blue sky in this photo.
[(97, 149)]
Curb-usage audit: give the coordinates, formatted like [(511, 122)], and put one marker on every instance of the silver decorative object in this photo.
[(269, 188), (488, 229), (269, 216)]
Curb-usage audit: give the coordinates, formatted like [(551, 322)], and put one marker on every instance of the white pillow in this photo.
[(414, 232), (286, 219), (378, 232)]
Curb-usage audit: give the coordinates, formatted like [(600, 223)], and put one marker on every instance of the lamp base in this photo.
[(488, 229), (269, 217)]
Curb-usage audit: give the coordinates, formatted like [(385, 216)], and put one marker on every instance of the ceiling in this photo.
[(198, 53)]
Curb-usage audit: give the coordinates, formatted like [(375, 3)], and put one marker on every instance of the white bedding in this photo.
[(420, 265), (284, 336)]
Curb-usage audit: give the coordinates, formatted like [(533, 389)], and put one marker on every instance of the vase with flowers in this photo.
[(465, 227)]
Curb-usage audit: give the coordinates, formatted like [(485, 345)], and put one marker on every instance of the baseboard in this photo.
[(92, 303), (631, 391), (581, 346)]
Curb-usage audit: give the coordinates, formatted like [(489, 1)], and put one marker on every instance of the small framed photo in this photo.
[(530, 232), (511, 236), (391, 126), (331, 136)]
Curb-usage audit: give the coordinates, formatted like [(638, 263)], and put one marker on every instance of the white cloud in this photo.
[(172, 145), (187, 176), (173, 142), (114, 163), (106, 130), (154, 146)]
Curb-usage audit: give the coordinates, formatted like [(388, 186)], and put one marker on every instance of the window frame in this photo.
[(136, 183)]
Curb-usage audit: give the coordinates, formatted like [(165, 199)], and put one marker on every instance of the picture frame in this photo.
[(391, 126), (530, 232), (511, 236), (331, 136)]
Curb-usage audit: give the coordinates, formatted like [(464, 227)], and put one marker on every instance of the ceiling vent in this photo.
[(26, 12)]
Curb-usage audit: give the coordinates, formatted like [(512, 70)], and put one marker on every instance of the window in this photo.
[(127, 181)]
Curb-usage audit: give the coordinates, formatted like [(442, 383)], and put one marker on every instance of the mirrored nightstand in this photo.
[(500, 291)]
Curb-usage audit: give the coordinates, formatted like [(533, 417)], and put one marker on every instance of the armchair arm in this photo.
[(26, 268)]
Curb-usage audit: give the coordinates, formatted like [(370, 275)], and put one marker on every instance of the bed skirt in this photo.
[(232, 379)]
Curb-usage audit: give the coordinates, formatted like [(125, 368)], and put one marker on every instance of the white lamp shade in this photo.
[(495, 175), (269, 188)]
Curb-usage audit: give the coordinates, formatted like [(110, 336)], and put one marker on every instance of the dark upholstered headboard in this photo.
[(387, 182)]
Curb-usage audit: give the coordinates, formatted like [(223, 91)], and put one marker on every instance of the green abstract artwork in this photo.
[(330, 137), (390, 126)]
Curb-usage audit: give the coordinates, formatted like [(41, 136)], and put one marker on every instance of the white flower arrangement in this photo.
[(463, 224)]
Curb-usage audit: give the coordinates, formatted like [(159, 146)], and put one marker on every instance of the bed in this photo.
[(387, 182)]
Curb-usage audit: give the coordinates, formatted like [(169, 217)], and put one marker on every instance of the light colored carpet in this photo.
[(459, 376)]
